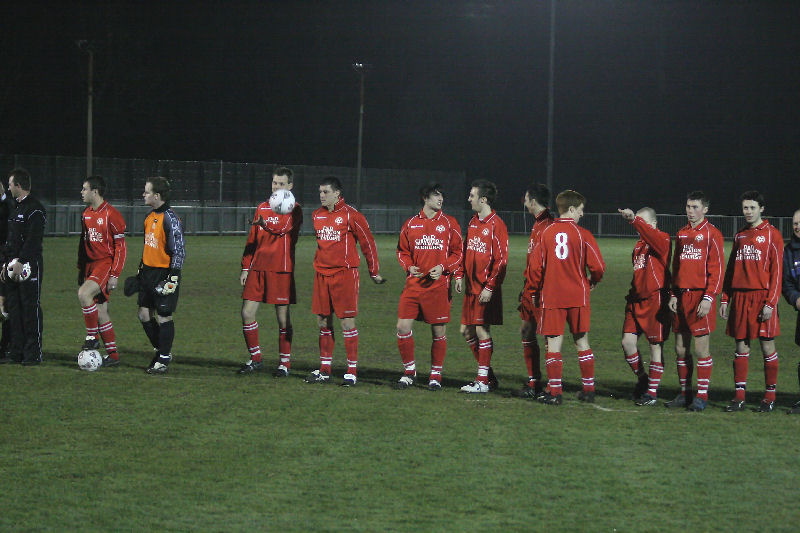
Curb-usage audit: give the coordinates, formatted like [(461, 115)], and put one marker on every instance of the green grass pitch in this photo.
[(204, 449)]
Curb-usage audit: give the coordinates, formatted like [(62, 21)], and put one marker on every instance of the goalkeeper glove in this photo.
[(168, 286)]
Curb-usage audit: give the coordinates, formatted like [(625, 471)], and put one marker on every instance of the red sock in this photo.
[(532, 356), (704, 367), (285, 347), (553, 365), (586, 360), (109, 339), (405, 343), (740, 364), (251, 340), (654, 379), (634, 362), (770, 375), (438, 351), (472, 342), (351, 349), (90, 318), (326, 344), (484, 360), (685, 372)]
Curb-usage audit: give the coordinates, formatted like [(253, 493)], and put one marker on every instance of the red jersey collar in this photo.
[(543, 215), (338, 205), (99, 207), (489, 217), (423, 216)]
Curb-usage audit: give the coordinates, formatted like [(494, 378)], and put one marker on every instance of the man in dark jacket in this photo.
[(791, 282), (23, 277)]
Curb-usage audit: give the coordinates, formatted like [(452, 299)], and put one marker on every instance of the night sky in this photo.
[(653, 99)]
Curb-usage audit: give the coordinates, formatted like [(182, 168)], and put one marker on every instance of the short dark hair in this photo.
[(97, 183), (21, 177), (160, 186), (429, 188), (567, 199), (540, 193), (333, 182), (284, 171), (486, 189), (756, 196), (699, 195)]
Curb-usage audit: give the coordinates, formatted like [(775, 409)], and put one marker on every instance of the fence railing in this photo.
[(66, 220)]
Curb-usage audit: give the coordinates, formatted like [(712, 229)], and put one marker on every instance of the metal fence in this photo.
[(198, 220)]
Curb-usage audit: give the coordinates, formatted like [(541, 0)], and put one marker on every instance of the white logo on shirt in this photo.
[(699, 237), (339, 220), (485, 232), (429, 242), (477, 245), (760, 238), (440, 228), (690, 252), (328, 233), (748, 252), (100, 221), (94, 235)]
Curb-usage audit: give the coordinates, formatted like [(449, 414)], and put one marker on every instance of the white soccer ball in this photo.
[(26, 270), (282, 201), (90, 360)]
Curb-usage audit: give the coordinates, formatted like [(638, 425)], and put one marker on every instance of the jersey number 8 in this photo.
[(561, 245)]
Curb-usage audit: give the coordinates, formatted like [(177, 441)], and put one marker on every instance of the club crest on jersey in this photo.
[(699, 238), (439, 228), (100, 221), (760, 239), (485, 232)]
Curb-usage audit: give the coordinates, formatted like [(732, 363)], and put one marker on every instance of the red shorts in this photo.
[(554, 318), (527, 311), (270, 287), (686, 320), (744, 309), (99, 272), (650, 316), (474, 313), (337, 293), (432, 306)]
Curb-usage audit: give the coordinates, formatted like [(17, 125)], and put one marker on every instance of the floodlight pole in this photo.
[(551, 96), (360, 68), (88, 47)]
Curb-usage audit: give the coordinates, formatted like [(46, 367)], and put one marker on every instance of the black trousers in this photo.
[(23, 304)]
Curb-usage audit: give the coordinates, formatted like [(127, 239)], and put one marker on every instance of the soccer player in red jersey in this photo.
[(537, 198), (750, 293), (696, 280), (101, 258), (429, 250), (268, 275), (339, 227), (480, 277), (561, 286), (646, 309)]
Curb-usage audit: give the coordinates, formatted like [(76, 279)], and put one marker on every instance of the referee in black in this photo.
[(24, 242)]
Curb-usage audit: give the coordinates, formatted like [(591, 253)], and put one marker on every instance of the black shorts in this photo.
[(149, 278)]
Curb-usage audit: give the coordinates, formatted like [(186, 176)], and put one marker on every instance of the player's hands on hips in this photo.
[(485, 296), (703, 309), (673, 304), (113, 281), (243, 277), (459, 285), (378, 279), (436, 272), (627, 214), (766, 313), (723, 310), (415, 271)]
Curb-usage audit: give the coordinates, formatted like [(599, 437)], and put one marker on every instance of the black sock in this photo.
[(166, 334), (151, 330)]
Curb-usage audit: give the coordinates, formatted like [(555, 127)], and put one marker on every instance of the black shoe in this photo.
[(698, 404), (527, 392), (585, 396), (317, 377), (109, 361), (280, 372), (678, 401), (405, 382), (250, 367), (492, 380), (766, 406), (646, 400), (434, 385), (91, 343), (157, 368), (641, 386), (550, 399), (795, 410), (735, 405)]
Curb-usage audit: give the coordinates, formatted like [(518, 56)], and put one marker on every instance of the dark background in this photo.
[(653, 99)]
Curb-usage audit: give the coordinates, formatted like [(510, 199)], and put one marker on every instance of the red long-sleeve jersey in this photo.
[(756, 262), (103, 237), (697, 259), (427, 242), (337, 233), (485, 254), (560, 261), (542, 221), (651, 257), (272, 249)]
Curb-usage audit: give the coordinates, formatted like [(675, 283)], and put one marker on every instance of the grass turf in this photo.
[(203, 449)]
